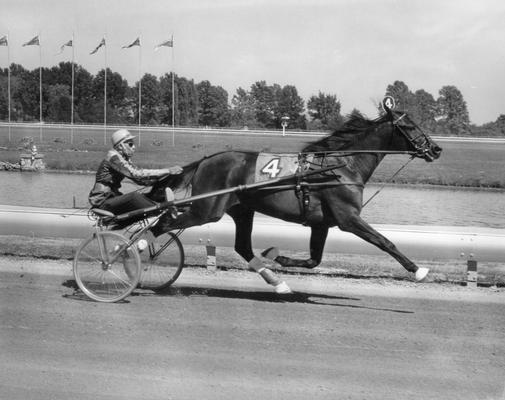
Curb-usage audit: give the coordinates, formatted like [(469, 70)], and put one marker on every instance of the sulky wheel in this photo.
[(105, 269), (162, 262)]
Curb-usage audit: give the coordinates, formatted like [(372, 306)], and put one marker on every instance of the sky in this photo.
[(351, 49)]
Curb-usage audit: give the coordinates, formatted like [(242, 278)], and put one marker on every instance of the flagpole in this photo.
[(105, 95), (72, 95), (9, 85), (173, 94), (40, 88), (140, 83)]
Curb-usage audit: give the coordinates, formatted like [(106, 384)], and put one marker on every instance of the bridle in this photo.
[(421, 142)]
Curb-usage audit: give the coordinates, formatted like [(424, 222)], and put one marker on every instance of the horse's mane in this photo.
[(353, 130)]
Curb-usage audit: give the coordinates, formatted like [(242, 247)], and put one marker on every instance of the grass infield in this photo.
[(462, 164)]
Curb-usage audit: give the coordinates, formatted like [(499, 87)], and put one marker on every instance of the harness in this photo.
[(303, 186), (301, 189), (329, 178)]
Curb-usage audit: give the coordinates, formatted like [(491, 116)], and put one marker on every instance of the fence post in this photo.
[(471, 273), (211, 257)]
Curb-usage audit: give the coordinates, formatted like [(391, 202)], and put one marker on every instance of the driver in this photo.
[(114, 168)]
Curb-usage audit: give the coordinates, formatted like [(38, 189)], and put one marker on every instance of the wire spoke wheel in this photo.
[(105, 268), (162, 262)]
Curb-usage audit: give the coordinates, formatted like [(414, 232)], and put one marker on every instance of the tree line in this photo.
[(262, 106)]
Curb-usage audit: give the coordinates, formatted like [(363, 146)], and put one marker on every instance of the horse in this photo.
[(330, 194)]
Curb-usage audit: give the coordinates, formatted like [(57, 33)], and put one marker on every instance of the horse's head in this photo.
[(418, 142), (393, 131)]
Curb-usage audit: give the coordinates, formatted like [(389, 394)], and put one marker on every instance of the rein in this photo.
[(344, 153)]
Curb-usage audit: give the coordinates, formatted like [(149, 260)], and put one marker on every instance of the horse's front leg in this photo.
[(317, 240), (355, 224)]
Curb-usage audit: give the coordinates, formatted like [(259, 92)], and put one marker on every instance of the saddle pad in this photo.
[(275, 165)]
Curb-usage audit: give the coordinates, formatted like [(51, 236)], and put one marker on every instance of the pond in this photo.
[(404, 205)]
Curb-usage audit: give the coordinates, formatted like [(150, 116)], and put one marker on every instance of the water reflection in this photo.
[(394, 205), (436, 206)]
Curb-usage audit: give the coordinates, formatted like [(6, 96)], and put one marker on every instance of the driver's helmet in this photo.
[(120, 136)]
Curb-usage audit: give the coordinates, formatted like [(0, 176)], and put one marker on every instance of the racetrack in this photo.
[(225, 335)]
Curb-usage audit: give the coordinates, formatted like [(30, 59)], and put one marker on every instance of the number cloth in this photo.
[(272, 165)]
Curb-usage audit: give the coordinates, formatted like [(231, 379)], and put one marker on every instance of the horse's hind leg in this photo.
[(317, 240), (355, 224), (243, 218)]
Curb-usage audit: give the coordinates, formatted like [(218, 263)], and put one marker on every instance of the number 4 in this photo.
[(388, 103), (272, 168)]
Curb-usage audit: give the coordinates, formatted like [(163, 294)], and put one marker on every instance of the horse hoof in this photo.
[(271, 253), (282, 288), (421, 273)]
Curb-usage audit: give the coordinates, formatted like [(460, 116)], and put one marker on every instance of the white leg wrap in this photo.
[(421, 273), (255, 264), (280, 286), (271, 253), (269, 277)]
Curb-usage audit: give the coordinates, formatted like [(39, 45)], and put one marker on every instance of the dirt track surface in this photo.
[(225, 335)]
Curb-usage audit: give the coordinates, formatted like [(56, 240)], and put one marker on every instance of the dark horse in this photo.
[(320, 200)]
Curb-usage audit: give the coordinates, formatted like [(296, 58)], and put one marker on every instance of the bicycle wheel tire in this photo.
[(102, 271), (162, 262)]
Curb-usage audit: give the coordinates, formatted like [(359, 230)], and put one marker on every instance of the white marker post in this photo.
[(284, 124)]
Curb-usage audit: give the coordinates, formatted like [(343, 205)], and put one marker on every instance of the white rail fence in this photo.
[(202, 130), (434, 243)]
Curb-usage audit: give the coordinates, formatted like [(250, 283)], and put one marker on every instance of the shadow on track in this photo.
[(77, 294), (295, 297), (188, 291)]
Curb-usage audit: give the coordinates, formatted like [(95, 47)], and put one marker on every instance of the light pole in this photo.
[(284, 124)]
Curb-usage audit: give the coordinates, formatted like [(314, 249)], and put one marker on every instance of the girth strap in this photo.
[(302, 190), (303, 194), (302, 186)]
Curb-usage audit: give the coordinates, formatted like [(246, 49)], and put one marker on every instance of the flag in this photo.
[(135, 43), (4, 41), (33, 42), (69, 44), (102, 43), (168, 43)]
